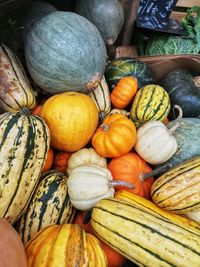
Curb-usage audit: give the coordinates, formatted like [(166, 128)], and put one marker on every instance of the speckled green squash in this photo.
[(65, 52), (151, 102), (125, 66), (49, 205), (187, 136), (24, 143)]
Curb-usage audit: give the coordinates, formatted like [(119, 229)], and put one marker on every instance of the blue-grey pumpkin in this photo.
[(65, 52), (107, 15)]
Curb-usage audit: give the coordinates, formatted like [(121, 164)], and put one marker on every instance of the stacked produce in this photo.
[(95, 170)]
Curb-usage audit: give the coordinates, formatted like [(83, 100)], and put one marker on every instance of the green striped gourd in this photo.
[(151, 102), (50, 204), (101, 97), (126, 66), (145, 234), (178, 190), (15, 89), (24, 143)]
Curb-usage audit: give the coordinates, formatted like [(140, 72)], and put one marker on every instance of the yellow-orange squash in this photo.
[(65, 245), (124, 91), (72, 119), (115, 137)]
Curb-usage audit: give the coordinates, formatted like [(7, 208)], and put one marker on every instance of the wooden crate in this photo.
[(181, 8)]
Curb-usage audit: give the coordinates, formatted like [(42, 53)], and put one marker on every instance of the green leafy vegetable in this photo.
[(164, 44)]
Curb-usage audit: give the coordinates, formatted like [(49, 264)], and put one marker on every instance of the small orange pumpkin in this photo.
[(49, 161), (61, 161), (37, 110), (124, 92), (130, 168), (115, 137)]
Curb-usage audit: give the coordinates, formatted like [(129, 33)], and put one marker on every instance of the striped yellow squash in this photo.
[(145, 234), (65, 245), (15, 89), (178, 190), (49, 205), (101, 97), (24, 142), (151, 102)]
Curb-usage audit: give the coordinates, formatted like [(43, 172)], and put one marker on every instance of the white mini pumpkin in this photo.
[(87, 184), (86, 156)]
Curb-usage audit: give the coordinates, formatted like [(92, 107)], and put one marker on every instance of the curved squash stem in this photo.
[(160, 170), (105, 127), (178, 119), (121, 183)]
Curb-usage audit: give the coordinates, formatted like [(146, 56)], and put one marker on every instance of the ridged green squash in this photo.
[(107, 15), (145, 234), (24, 143), (187, 136), (15, 89), (151, 102), (125, 66), (50, 204), (65, 52), (178, 190)]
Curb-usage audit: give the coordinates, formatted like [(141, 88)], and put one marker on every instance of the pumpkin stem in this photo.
[(178, 119), (105, 127), (121, 183), (24, 111), (160, 170)]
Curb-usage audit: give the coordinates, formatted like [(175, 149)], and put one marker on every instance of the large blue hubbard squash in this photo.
[(65, 52)]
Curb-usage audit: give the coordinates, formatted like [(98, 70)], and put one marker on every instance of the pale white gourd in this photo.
[(87, 184), (85, 156), (155, 142), (119, 111), (194, 216)]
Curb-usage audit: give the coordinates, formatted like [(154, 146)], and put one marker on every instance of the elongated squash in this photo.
[(24, 143), (101, 97), (178, 190), (15, 89), (49, 205), (145, 234)]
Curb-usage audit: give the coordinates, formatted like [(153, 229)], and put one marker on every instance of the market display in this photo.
[(99, 158)]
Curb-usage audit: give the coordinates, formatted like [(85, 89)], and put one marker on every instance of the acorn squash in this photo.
[(183, 87)]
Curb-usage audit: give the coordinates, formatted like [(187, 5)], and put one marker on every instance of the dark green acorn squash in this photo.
[(35, 11), (107, 15), (125, 66), (184, 91), (187, 136), (65, 52)]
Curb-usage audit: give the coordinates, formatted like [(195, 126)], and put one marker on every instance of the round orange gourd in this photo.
[(113, 257), (72, 119), (115, 137), (37, 110), (123, 92), (130, 168), (49, 161), (61, 160), (12, 251)]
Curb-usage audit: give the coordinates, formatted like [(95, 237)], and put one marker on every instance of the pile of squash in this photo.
[(99, 163)]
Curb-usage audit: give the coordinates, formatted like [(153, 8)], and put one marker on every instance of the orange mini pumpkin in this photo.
[(61, 161), (123, 92), (49, 161), (115, 137), (130, 168), (37, 110)]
